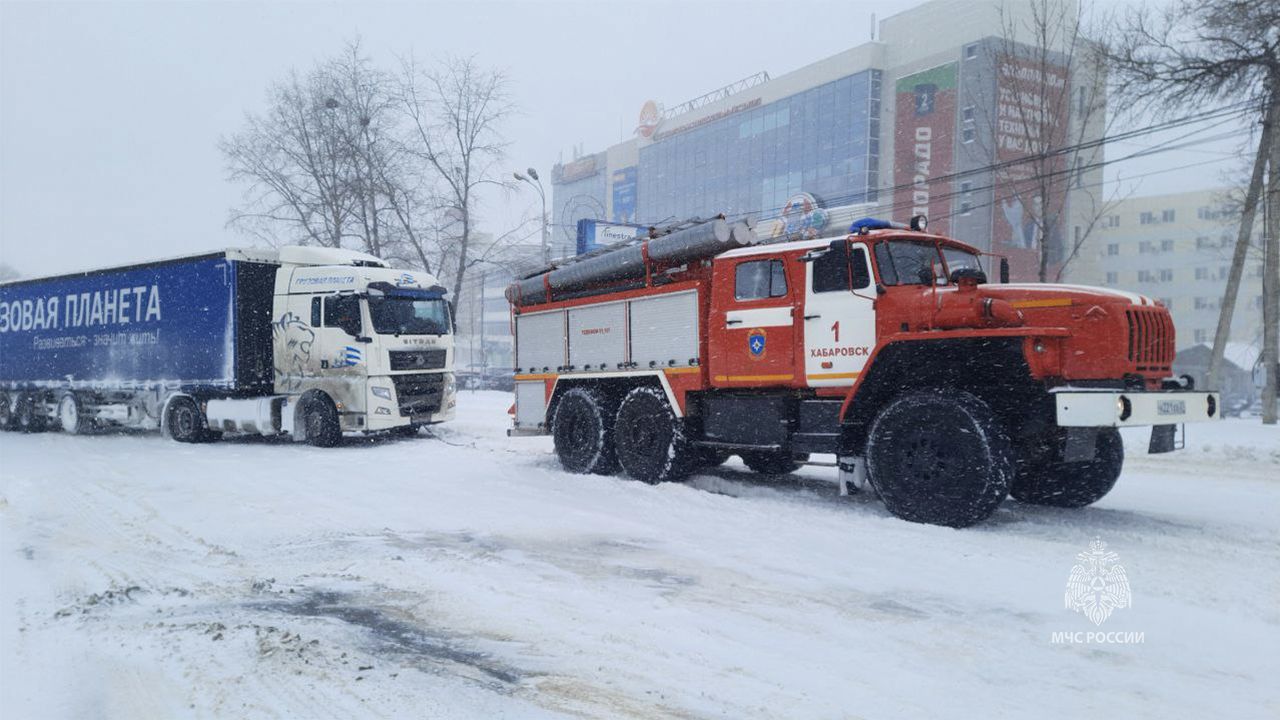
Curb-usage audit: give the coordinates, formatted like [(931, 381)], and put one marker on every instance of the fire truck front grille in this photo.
[(1150, 339), (419, 394), (417, 359)]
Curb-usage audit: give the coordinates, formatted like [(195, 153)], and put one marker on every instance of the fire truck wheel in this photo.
[(320, 421), (940, 456), (1071, 484), (583, 432), (6, 412), (778, 462), (650, 439), (27, 414)]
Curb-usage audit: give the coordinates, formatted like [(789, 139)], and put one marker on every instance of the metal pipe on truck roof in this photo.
[(628, 263)]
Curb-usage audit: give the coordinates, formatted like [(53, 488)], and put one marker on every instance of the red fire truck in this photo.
[(938, 391)]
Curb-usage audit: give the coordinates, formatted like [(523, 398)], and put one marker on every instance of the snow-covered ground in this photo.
[(466, 576)]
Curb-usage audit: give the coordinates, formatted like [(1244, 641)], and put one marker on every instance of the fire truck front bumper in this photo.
[(1079, 407)]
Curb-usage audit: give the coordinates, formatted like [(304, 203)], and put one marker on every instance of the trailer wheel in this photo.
[(1071, 484), (320, 421), (650, 438), (71, 415), (582, 430), (774, 462), (941, 457), (6, 412), (184, 421), (28, 414)]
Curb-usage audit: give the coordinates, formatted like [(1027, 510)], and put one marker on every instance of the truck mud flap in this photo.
[(1164, 438)]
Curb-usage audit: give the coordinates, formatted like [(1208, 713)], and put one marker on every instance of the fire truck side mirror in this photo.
[(1004, 271)]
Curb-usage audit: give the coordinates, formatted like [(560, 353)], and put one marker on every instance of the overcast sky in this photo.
[(110, 112)]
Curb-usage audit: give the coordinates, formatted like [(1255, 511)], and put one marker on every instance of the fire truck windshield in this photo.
[(904, 262)]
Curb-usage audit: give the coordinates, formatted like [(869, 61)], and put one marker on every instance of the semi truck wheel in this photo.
[(28, 415), (71, 415), (941, 457), (185, 422), (582, 431), (320, 422), (776, 462), (1071, 484), (650, 439)]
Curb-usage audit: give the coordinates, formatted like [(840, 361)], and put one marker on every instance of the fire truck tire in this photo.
[(779, 462), (1072, 484), (27, 414), (582, 431), (941, 457), (650, 439)]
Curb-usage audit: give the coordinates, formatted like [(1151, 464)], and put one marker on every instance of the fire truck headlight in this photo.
[(1124, 407), (384, 393), (920, 222)]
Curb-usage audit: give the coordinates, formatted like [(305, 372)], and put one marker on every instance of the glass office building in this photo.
[(823, 141)]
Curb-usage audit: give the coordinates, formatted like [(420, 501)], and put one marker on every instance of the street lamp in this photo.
[(531, 173)]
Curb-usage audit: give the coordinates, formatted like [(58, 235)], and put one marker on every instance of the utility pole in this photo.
[(1253, 195), (1271, 264)]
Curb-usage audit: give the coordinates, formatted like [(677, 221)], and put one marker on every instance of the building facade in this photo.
[(1177, 248), (909, 123)]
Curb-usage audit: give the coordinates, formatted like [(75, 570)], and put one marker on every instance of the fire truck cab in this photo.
[(940, 392)]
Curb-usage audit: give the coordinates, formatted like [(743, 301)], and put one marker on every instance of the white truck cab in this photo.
[(360, 343)]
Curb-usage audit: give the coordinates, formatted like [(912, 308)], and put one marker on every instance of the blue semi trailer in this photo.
[(310, 342)]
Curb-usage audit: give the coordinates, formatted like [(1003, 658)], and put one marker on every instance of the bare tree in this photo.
[(1225, 53), (322, 165), (455, 112), (1050, 102)]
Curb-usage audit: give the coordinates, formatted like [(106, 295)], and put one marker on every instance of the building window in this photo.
[(1202, 273), (1201, 335), (760, 279), (1203, 243), (971, 51), (1146, 247), (1166, 246), (1113, 278), (1166, 276), (1111, 221), (1145, 276), (967, 113), (1147, 218), (966, 207), (967, 135), (1166, 216), (1113, 249)]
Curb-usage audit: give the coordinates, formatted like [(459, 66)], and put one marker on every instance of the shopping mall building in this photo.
[(889, 128)]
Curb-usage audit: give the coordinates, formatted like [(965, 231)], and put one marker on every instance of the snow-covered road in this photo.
[(466, 576)]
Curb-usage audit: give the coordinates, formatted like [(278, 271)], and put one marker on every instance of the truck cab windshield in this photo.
[(903, 262), (409, 315)]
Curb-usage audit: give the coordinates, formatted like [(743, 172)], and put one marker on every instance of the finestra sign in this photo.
[(99, 308)]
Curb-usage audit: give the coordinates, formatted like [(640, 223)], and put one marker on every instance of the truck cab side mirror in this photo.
[(1004, 271)]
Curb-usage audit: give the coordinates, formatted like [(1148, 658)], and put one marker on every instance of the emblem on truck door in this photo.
[(756, 343)]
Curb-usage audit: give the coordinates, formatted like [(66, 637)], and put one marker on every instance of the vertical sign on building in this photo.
[(923, 145), (1027, 125), (624, 195)]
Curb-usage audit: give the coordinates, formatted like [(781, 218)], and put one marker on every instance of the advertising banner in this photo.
[(593, 234), (923, 145), (1027, 124), (162, 322), (624, 194)]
